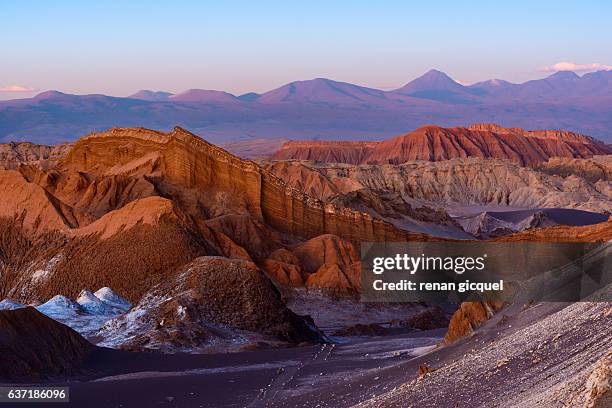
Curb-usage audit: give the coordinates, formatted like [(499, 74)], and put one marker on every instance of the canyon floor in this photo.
[(254, 378), (526, 356)]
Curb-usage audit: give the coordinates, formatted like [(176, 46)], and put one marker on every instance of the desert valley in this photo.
[(305, 204), (178, 265)]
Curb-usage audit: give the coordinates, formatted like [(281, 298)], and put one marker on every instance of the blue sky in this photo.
[(118, 47)]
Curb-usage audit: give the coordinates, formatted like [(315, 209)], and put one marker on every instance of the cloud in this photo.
[(462, 82), (572, 66), (17, 89)]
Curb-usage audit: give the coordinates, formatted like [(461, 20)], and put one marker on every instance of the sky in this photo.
[(119, 47)]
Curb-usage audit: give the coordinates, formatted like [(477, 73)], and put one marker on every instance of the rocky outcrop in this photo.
[(38, 210), (470, 316), (130, 257), (595, 169), (146, 211), (433, 143), (428, 319), (451, 183), (598, 387), (330, 262), (117, 199), (325, 262), (209, 295), (601, 232), (284, 267), (14, 154), (237, 294), (34, 347), (189, 162), (325, 151)]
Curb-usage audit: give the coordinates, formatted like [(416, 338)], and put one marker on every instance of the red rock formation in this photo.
[(468, 317), (14, 154), (433, 143), (126, 208), (39, 210), (284, 267), (325, 151), (330, 262), (147, 211), (189, 162), (304, 178), (601, 232)]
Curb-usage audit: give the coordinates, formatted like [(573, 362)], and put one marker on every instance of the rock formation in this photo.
[(209, 295), (16, 153), (330, 263), (598, 387), (595, 169), (601, 232), (468, 317), (414, 193), (182, 159), (132, 208), (433, 143)]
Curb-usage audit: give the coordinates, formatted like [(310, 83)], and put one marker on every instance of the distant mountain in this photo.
[(147, 95), (489, 86), (325, 92), (204, 96), (323, 109), (432, 79), (438, 86), (558, 87), (249, 96)]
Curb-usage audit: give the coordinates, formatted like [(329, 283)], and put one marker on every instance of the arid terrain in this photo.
[(305, 204), (147, 268)]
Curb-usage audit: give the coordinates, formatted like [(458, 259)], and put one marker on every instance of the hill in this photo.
[(434, 143)]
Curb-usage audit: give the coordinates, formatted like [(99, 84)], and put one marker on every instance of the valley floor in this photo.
[(248, 379), (526, 356)]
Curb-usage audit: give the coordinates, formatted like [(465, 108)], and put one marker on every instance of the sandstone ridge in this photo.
[(434, 143)]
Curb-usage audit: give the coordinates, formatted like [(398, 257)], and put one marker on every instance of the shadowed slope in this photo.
[(34, 347)]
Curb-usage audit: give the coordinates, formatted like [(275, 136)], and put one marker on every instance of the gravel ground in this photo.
[(516, 361)]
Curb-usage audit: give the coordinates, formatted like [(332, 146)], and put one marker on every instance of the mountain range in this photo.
[(323, 109)]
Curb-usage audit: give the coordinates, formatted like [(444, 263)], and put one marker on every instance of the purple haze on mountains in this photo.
[(324, 109), (203, 96), (147, 95)]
